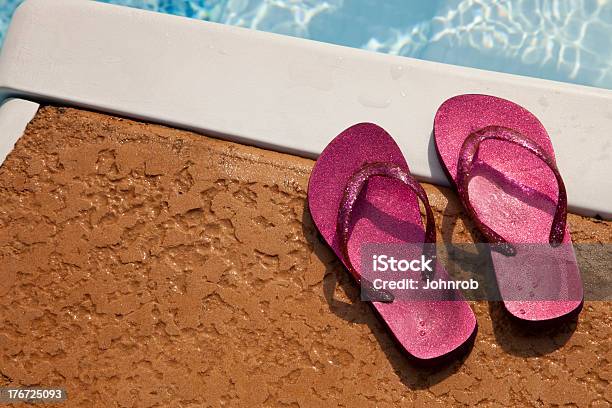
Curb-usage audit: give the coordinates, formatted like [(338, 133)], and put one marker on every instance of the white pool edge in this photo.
[(280, 92), (15, 114)]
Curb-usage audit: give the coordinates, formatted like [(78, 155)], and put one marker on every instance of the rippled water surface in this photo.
[(565, 40)]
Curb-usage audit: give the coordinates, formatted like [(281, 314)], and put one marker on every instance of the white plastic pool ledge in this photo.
[(278, 92)]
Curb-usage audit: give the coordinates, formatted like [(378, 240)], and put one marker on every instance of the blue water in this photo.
[(564, 40)]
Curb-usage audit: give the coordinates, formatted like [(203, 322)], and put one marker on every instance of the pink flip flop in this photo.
[(502, 163), (361, 192)]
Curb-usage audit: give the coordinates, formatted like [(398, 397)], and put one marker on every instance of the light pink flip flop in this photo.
[(502, 163), (361, 192)]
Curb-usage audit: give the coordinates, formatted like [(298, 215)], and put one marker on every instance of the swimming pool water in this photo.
[(564, 40)]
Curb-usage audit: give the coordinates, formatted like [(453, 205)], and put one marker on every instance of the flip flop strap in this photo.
[(464, 167), (351, 193)]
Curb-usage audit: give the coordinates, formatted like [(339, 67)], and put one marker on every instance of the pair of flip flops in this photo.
[(500, 160)]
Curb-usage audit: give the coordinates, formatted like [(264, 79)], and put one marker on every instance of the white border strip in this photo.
[(15, 114), (280, 92)]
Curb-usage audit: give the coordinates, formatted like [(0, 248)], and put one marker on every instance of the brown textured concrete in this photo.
[(144, 266)]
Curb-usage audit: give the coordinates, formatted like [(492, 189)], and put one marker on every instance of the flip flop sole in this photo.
[(515, 194), (386, 212)]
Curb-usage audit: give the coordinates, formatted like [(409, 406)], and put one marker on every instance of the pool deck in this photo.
[(147, 266)]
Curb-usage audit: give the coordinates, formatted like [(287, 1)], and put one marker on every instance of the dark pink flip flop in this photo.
[(361, 192), (502, 164)]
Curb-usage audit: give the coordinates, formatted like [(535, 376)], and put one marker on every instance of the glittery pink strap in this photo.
[(464, 166), (353, 188)]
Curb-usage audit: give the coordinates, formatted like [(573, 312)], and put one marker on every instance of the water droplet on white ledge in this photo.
[(373, 100), (397, 71)]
